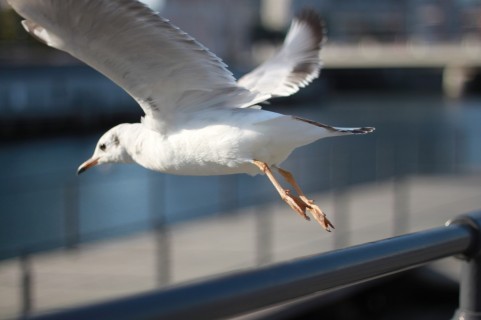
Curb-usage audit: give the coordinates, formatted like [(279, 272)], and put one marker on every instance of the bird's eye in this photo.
[(102, 147)]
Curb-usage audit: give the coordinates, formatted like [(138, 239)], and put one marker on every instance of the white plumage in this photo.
[(198, 119)]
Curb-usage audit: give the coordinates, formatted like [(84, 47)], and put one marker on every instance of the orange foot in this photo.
[(296, 204), (319, 215)]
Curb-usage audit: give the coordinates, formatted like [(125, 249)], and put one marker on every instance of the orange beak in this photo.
[(87, 164)]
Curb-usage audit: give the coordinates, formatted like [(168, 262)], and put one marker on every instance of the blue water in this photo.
[(41, 194)]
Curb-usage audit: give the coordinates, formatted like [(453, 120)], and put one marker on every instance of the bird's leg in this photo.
[(293, 201), (311, 207)]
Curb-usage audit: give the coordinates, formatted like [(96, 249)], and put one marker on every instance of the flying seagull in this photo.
[(198, 119)]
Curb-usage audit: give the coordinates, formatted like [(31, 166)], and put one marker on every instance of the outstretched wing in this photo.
[(160, 66), (297, 62)]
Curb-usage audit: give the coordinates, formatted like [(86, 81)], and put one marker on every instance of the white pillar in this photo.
[(275, 13)]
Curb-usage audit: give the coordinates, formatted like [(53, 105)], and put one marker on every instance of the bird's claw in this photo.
[(300, 205), (296, 204), (320, 216)]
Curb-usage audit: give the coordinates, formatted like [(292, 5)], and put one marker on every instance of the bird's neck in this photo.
[(141, 143), (130, 138)]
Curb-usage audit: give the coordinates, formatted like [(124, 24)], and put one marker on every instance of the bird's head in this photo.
[(110, 149)]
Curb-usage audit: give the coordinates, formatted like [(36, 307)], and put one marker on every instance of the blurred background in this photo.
[(409, 68)]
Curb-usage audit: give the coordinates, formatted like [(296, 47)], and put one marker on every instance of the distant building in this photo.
[(223, 26)]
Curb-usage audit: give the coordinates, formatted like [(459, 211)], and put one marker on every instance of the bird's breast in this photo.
[(213, 150)]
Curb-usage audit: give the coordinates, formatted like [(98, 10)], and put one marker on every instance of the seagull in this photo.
[(198, 119)]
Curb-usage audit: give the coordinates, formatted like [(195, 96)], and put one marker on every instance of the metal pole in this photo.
[(470, 282)]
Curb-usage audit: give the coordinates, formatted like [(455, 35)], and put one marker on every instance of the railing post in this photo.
[(72, 215), (340, 179), (26, 281), (264, 245), (470, 281), (401, 205), (470, 290), (163, 241), (228, 193), (163, 253)]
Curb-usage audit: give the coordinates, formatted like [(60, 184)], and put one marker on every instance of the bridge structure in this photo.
[(459, 62)]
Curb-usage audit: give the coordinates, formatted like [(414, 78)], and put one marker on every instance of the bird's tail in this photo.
[(362, 130)]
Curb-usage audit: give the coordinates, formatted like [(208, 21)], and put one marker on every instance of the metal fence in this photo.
[(341, 177), (250, 290)]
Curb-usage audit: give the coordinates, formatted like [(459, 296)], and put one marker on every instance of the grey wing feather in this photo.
[(297, 62)]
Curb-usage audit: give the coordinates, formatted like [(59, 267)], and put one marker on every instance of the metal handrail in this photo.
[(250, 290)]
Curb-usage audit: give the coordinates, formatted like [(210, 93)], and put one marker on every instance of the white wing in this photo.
[(163, 68), (297, 62)]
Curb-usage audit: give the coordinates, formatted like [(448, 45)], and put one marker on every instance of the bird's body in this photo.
[(198, 119), (220, 141)]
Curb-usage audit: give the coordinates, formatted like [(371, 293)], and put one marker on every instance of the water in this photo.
[(44, 205)]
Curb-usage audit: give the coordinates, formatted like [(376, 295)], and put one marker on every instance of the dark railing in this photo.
[(251, 290)]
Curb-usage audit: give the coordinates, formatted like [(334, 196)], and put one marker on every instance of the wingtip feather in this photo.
[(315, 23)]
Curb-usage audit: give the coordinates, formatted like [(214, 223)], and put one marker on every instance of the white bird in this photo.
[(198, 119)]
